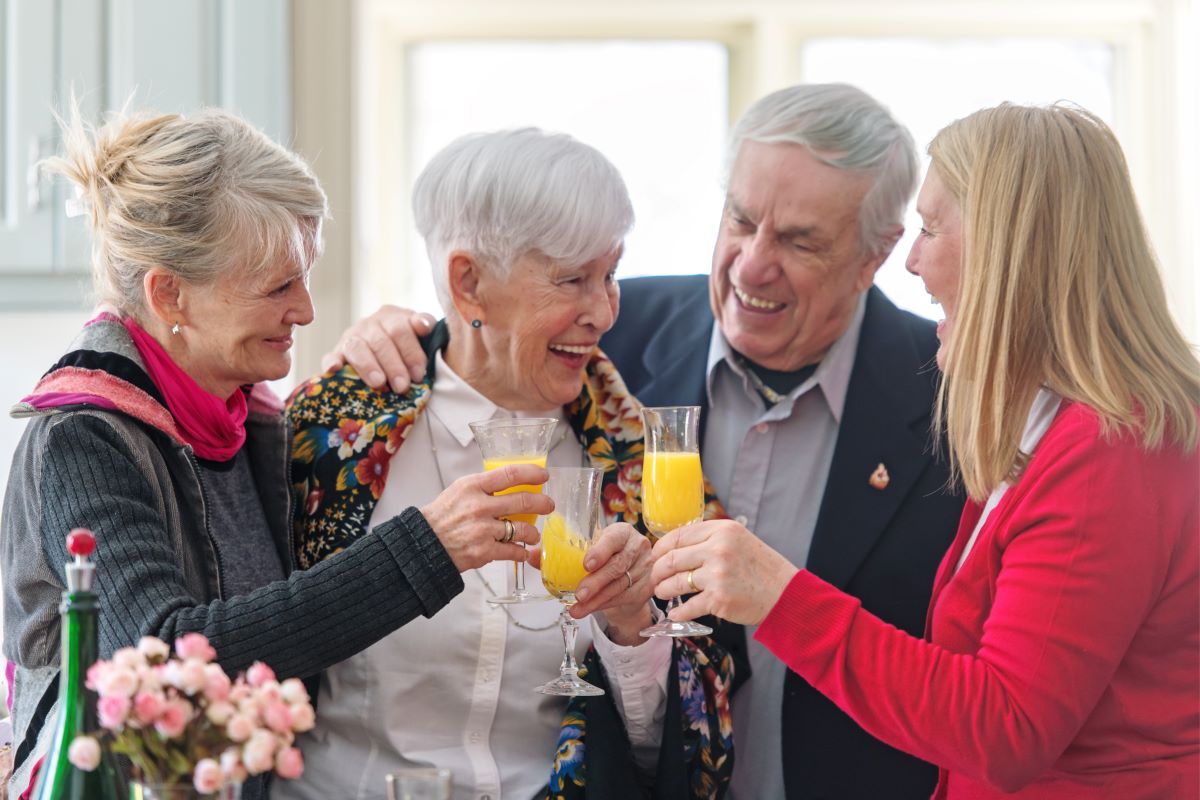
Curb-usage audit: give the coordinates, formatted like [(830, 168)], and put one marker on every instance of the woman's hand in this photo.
[(734, 575), (466, 517), (383, 348), (618, 583)]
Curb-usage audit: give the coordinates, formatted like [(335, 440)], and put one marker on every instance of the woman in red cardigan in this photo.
[(1062, 650)]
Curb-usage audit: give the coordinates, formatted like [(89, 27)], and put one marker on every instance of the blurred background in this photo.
[(368, 90)]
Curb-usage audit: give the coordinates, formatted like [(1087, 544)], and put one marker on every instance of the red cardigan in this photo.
[(1063, 659)]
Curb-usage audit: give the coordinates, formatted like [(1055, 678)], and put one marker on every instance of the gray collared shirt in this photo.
[(769, 466)]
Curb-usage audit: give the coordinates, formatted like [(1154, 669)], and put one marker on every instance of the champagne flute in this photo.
[(672, 488), (566, 534), (515, 441)]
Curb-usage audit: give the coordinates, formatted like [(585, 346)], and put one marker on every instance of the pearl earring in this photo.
[(476, 323)]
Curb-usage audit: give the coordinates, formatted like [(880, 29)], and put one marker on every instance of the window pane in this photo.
[(656, 109), (929, 82)]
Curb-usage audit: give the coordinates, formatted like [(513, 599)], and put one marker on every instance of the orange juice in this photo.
[(672, 491), (562, 557), (490, 464)]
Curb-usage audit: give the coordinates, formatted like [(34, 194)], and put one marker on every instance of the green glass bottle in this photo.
[(58, 778)]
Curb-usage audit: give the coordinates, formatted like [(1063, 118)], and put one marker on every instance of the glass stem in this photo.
[(570, 630), (519, 575), (673, 603)]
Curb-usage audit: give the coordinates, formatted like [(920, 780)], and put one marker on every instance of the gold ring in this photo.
[(510, 531), (629, 578), (692, 584)]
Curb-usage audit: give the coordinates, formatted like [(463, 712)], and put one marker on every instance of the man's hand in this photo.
[(384, 348)]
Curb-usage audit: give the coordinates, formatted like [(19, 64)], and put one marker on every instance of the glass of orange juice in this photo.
[(515, 441), (672, 487), (566, 535)]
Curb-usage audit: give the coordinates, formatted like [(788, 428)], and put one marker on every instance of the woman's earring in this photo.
[(474, 324), (175, 328)]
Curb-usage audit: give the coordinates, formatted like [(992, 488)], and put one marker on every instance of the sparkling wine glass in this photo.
[(672, 488), (566, 534), (515, 441)]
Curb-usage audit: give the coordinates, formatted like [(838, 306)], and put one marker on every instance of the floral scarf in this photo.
[(345, 436)]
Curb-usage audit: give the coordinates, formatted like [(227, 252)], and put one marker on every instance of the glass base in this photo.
[(671, 628), (570, 686), (519, 597)]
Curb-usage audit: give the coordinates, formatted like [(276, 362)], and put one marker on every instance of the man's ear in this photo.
[(164, 296), (465, 279), (872, 263)]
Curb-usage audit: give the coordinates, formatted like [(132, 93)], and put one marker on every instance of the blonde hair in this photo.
[(1060, 288), (198, 195)]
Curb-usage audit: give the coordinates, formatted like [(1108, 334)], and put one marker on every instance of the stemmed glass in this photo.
[(515, 441), (672, 488), (566, 534)]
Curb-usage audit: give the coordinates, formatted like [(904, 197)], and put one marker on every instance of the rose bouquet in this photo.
[(182, 720)]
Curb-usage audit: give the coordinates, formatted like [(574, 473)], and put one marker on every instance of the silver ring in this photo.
[(629, 578), (692, 584), (510, 531)]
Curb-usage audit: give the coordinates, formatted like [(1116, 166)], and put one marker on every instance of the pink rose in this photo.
[(113, 710), (194, 645), (117, 681), (240, 727), (268, 692), (96, 675), (174, 718), (239, 692), (218, 682), (259, 673), (289, 763), (147, 706), (207, 777), (231, 765), (278, 717), (303, 717), (153, 649), (84, 753), (219, 712), (128, 657), (171, 674), (258, 753), (292, 690), (193, 676)]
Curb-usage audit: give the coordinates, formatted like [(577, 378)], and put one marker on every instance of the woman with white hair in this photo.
[(524, 231), (156, 431), (1061, 656)]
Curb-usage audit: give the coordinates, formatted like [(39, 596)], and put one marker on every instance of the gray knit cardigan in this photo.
[(113, 463)]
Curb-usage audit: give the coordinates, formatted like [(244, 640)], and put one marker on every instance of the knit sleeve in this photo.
[(315, 618)]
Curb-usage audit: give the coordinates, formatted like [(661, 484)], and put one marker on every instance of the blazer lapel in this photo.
[(676, 357), (884, 421)]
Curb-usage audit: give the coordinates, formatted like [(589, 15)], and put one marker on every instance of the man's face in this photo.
[(788, 270)]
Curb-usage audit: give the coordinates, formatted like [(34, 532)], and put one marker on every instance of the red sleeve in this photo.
[(1085, 544)]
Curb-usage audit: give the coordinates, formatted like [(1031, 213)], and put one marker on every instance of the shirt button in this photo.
[(740, 519), (762, 427), (474, 737)]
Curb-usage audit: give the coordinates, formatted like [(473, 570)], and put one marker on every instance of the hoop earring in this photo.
[(476, 323)]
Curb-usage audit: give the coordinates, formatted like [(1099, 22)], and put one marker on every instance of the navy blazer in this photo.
[(880, 546)]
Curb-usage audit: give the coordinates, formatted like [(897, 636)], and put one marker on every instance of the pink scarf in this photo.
[(215, 428)]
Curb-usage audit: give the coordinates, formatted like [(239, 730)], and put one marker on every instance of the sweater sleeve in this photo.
[(1082, 554), (315, 618)]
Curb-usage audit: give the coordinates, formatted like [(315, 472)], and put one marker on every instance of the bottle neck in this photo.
[(80, 649)]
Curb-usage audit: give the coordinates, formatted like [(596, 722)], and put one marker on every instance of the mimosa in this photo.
[(490, 464), (672, 491), (563, 550)]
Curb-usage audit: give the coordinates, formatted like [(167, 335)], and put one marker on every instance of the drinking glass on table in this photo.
[(419, 783), (567, 533), (515, 441), (672, 488)]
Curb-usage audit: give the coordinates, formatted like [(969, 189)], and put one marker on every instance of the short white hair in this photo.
[(848, 129), (508, 194)]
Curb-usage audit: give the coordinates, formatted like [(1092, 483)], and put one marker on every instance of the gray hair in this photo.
[(845, 128), (508, 194), (198, 196)]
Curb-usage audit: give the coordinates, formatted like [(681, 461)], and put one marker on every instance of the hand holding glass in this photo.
[(515, 441), (566, 535), (672, 488)]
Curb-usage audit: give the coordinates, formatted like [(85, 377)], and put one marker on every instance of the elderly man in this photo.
[(817, 394)]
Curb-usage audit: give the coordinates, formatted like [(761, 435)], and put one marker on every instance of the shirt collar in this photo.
[(456, 404), (832, 374)]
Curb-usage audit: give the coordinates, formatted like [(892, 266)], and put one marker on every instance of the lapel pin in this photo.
[(879, 478)]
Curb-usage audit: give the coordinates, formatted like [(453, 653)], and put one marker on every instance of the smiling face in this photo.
[(541, 323), (936, 255), (788, 269), (238, 329)]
